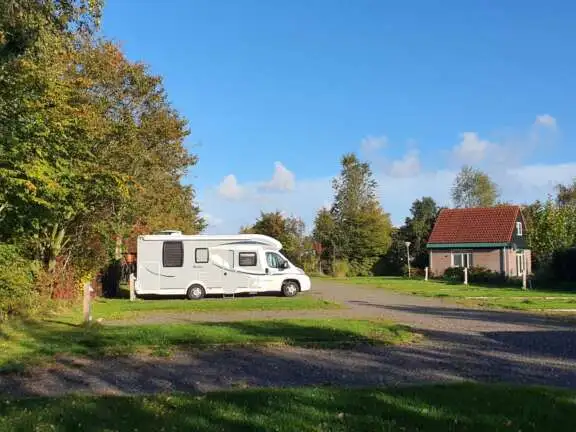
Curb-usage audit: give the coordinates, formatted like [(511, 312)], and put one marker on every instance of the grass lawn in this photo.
[(23, 344), (461, 407), (111, 309), (502, 297)]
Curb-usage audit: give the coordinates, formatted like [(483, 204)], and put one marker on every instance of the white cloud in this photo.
[(212, 221), (230, 189), (282, 180), (520, 184), (371, 144), (408, 166), (472, 149), (546, 120)]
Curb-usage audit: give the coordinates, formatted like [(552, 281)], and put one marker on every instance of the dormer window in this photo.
[(519, 228)]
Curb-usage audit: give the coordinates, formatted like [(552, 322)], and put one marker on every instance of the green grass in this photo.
[(111, 309), (501, 297), (23, 344), (461, 407)]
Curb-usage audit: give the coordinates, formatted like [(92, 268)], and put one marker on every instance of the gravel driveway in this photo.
[(459, 344)]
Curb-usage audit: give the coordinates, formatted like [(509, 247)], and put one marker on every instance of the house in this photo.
[(492, 237)]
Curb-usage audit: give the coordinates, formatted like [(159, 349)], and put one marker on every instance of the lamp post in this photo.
[(408, 257)]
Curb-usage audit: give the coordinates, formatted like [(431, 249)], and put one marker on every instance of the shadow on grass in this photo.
[(466, 407), (33, 341)]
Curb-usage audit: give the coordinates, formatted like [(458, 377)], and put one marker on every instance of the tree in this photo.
[(473, 188), (551, 228), (417, 228), (566, 195), (287, 230), (359, 230)]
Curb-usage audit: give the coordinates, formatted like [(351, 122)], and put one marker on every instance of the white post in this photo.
[(426, 273), (131, 284), (524, 270), (86, 303), (408, 258), (465, 275)]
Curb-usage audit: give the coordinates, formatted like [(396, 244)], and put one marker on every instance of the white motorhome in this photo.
[(170, 263)]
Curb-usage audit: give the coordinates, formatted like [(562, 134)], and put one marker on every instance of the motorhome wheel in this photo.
[(289, 288), (195, 292)]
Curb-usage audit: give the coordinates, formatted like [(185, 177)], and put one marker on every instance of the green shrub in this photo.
[(485, 276), (454, 274), (364, 267), (341, 268), (17, 292)]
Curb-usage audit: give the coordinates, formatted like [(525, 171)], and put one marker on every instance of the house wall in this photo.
[(498, 260), (512, 269), (440, 260), (488, 258)]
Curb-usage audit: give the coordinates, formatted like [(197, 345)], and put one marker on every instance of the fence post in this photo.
[(131, 282), (426, 273), (524, 270), (86, 303), (465, 275)]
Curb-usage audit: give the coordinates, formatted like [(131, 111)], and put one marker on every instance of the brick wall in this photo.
[(488, 258), (440, 260)]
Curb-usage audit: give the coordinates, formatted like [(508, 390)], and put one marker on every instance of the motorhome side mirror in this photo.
[(284, 265)]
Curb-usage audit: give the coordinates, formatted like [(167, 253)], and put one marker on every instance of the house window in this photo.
[(519, 228), (247, 259), (462, 259), (172, 254), (201, 255)]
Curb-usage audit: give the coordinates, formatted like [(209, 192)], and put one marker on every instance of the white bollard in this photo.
[(426, 274), (465, 275), (131, 284)]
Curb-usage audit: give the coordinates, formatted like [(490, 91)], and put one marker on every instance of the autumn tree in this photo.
[(474, 188)]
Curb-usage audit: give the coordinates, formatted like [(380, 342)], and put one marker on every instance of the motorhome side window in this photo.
[(247, 259), (201, 255), (172, 254)]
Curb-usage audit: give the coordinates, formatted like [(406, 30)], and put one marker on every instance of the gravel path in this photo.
[(459, 344)]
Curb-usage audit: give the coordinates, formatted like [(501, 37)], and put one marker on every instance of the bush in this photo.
[(454, 274), (484, 275), (415, 272), (562, 267), (17, 293), (364, 267), (477, 275), (341, 268)]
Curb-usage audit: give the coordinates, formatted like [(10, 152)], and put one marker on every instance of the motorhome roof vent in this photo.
[(169, 232)]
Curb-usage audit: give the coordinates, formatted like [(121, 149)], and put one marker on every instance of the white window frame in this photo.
[(461, 253), (519, 229)]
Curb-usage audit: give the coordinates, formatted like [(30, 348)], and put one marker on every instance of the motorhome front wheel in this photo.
[(289, 288)]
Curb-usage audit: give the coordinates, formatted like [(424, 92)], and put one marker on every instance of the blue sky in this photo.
[(276, 91)]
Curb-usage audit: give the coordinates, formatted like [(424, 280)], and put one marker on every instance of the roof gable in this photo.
[(475, 225)]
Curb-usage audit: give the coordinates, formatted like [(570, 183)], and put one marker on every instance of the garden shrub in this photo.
[(18, 295), (364, 267), (454, 274), (341, 268)]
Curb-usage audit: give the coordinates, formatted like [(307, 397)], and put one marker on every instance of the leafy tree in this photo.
[(287, 230), (551, 228), (360, 231), (417, 228), (91, 151), (566, 194), (473, 188)]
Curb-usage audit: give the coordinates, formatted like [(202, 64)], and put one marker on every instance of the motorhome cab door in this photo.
[(274, 271)]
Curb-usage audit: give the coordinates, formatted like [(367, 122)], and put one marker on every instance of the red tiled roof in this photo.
[(475, 225)]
